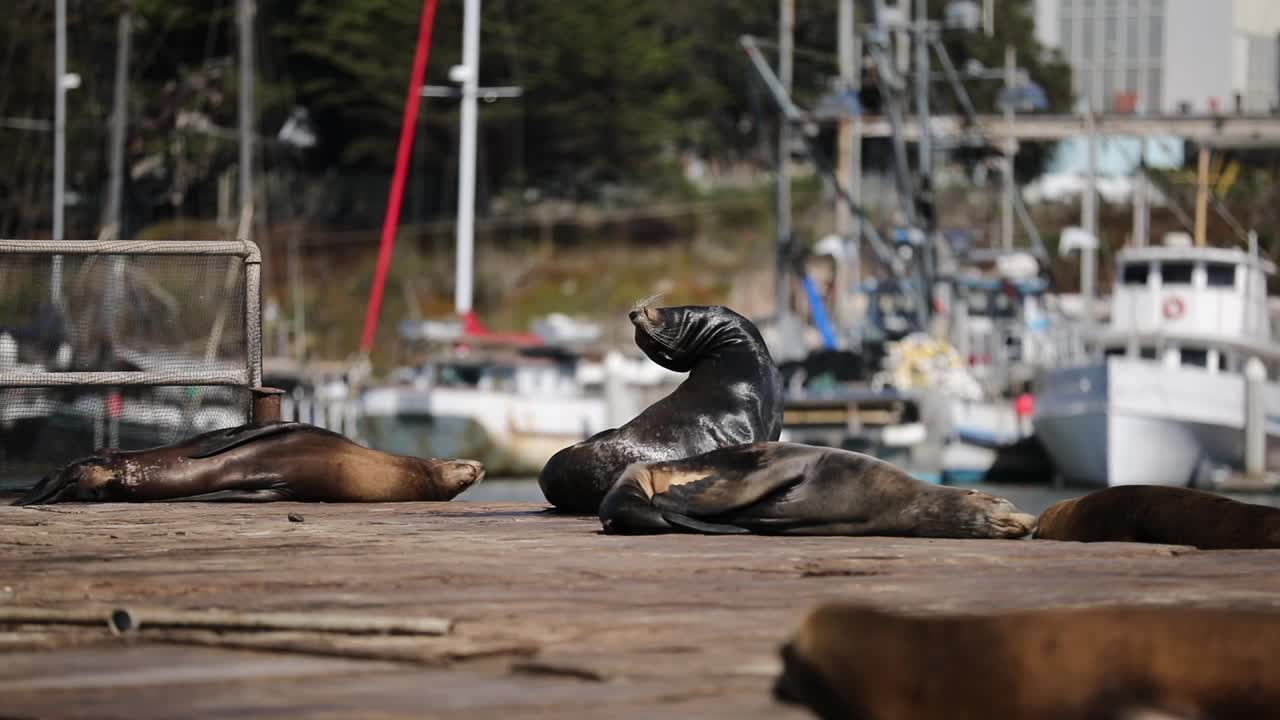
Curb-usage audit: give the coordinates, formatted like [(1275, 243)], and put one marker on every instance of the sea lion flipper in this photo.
[(48, 490), (688, 523), (235, 495), (220, 442), (730, 482)]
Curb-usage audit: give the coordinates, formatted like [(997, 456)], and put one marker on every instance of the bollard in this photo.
[(266, 404), (1255, 419)]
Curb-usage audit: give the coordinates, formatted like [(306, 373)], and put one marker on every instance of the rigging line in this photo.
[(827, 57), (210, 35), (158, 45)]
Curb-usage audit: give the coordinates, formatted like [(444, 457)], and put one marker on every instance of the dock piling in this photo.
[(1255, 419)]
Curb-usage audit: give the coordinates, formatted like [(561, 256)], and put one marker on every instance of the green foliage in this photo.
[(615, 92)]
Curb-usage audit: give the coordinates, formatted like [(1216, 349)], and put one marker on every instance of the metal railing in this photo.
[(249, 377)]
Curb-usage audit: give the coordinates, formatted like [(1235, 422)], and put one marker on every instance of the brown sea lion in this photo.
[(733, 395), (1160, 514), (259, 462), (847, 661), (796, 489)]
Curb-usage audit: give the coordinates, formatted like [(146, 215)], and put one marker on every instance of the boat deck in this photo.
[(551, 618)]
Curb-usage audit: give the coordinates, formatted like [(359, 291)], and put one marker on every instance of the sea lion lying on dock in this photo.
[(259, 462), (796, 489), (733, 395), (847, 661), (1159, 514)]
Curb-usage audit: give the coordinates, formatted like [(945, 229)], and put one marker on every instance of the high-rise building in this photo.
[(1168, 56)]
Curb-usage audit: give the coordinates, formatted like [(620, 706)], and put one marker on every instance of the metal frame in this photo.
[(249, 377)]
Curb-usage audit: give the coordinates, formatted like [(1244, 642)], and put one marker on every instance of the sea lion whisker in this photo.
[(647, 302), (666, 338)]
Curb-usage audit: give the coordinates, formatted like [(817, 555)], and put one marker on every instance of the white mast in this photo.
[(468, 74)]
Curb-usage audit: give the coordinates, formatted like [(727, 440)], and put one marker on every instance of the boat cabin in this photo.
[(1190, 307)]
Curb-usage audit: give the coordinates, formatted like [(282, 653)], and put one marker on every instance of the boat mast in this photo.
[(782, 198), (245, 21), (848, 162), (119, 122), (1010, 147), (468, 73), (394, 194), (115, 190), (59, 141), (1089, 213)]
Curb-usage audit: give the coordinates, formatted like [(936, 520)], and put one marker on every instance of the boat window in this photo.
[(459, 375), (1136, 273), (1113, 352), (1198, 358), (977, 302), (1147, 353), (1220, 274), (1176, 273), (1003, 306)]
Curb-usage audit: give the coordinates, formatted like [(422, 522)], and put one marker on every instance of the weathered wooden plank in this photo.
[(552, 618)]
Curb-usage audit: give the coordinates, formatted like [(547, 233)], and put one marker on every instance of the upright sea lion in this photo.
[(795, 489), (847, 661), (1160, 514), (733, 395), (259, 462)]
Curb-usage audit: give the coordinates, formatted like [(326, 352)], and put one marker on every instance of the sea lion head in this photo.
[(1050, 520), (456, 476), (677, 337), (87, 479)]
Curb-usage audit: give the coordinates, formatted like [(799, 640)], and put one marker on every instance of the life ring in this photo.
[(1173, 308)]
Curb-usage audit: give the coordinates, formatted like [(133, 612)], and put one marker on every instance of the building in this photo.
[(1168, 56)]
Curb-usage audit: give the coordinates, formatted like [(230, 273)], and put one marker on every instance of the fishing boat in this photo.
[(1161, 396)]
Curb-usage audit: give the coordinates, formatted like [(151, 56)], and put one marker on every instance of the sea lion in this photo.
[(733, 395), (849, 661), (259, 462), (796, 489), (1161, 514)]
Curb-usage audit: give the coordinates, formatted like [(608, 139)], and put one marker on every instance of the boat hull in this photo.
[(1130, 421)]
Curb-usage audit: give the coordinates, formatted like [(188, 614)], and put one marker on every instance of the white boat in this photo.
[(526, 404), (1163, 397)]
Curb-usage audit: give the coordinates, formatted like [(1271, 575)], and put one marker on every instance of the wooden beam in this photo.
[(1218, 131)]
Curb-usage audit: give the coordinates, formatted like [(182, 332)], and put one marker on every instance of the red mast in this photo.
[(407, 126)]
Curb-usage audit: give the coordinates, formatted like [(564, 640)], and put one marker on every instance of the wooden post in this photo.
[(266, 404), (1202, 195), (1255, 421)]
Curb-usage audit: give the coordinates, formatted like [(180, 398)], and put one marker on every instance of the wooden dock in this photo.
[(551, 618)]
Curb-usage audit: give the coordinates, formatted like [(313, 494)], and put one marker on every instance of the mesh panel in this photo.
[(168, 315), (42, 428)]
